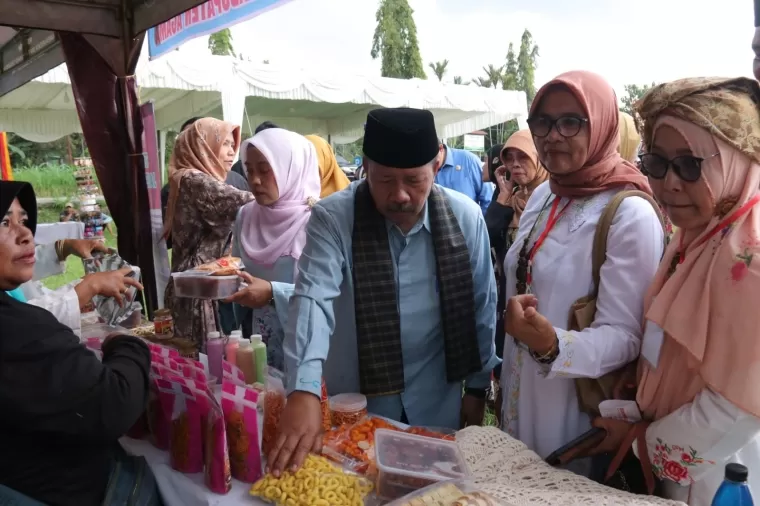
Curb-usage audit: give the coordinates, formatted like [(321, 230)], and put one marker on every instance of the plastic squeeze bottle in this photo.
[(245, 361), (734, 490), (230, 350), (260, 358), (215, 352)]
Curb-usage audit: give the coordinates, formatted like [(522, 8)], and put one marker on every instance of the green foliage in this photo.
[(395, 41), (439, 68), (510, 79), (633, 93), (458, 80), (56, 181), (527, 61), (220, 43), (28, 153)]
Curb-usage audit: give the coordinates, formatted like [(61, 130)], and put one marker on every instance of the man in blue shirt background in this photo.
[(462, 171)]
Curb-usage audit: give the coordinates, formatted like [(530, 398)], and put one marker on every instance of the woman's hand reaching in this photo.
[(108, 284)]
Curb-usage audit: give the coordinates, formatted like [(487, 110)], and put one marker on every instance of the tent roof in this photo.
[(29, 48), (327, 103)]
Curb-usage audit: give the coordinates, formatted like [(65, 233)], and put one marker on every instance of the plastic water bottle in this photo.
[(734, 491), (259, 358), (230, 350), (215, 352)]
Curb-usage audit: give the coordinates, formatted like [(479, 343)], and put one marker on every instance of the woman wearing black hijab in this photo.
[(63, 410)]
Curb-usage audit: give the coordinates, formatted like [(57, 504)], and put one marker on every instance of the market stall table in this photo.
[(48, 233)]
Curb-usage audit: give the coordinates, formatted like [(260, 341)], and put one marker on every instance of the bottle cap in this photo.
[(245, 344), (256, 338), (736, 472), (214, 335), (237, 334)]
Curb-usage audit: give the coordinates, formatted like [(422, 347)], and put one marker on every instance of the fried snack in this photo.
[(317, 483), (221, 267), (326, 416), (356, 443), (274, 403)]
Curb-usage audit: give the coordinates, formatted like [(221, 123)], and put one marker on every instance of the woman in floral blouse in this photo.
[(699, 369), (201, 211)]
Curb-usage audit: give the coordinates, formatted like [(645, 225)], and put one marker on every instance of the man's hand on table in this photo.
[(299, 433), (83, 248)]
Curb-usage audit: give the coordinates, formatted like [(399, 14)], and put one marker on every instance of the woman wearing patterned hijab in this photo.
[(201, 211), (574, 123), (698, 372)]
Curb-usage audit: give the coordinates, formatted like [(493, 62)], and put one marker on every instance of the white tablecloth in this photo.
[(48, 233)]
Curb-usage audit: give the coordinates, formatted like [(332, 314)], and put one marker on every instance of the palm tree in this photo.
[(458, 80), (494, 76), (439, 68)]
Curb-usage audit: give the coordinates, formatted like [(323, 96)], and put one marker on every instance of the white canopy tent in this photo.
[(332, 104)]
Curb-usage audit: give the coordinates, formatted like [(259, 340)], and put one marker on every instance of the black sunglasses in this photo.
[(686, 167), (567, 126)]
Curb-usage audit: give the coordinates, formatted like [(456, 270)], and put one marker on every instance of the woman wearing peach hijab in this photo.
[(700, 358), (200, 215), (574, 123), (333, 178)]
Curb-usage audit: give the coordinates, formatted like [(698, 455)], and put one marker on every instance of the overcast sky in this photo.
[(627, 42)]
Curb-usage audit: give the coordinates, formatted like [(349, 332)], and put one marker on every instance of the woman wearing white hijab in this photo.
[(269, 233)]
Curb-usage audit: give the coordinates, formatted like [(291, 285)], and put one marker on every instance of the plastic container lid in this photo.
[(214, 335), (398, 453), (348, 403), (736, 472)]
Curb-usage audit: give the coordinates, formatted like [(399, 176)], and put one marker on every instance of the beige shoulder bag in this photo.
[(592, 391)]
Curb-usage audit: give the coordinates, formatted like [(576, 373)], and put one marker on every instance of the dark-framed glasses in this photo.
[(567, 126), (686, 167)]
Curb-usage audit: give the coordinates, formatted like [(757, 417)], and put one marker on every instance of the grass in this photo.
[(56, 181)]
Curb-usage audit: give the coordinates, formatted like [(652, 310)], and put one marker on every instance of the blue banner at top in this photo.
[(204, 19)]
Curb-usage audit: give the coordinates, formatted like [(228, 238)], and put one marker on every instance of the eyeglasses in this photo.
[(686, 167), (567, 126)]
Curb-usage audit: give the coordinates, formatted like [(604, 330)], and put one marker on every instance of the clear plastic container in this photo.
[(406, 462), (101, 331), (201, 285), (347, 409), (451, 493)]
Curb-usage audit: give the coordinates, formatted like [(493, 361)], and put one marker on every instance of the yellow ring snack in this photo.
[(317, 483)]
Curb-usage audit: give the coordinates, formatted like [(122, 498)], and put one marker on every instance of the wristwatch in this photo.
[(548, 357)]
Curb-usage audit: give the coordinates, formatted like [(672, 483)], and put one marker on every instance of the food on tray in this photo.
[(347, 409), (317, 483), (406, 462), (226, 266)]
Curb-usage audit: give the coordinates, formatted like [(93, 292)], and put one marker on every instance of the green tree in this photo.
[(527, 61), (510, 79), (459, 80), (395, 41), (493, 79), (634, 92), (439, 68), (220, 43)]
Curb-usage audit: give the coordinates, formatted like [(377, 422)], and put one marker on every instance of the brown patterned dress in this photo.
[(205, 212)]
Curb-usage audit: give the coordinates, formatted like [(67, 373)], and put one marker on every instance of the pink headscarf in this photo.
[(708, 308), (268, 233)]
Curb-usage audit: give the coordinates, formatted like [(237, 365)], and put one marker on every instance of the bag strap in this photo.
[(599, 254)]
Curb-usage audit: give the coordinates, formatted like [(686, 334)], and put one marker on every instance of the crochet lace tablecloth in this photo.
[(513, 474)]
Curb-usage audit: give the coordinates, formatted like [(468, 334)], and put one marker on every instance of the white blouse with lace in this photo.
[(540, 405)]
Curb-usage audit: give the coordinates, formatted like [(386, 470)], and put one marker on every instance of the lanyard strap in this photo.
[(717, 228), (554, 217)]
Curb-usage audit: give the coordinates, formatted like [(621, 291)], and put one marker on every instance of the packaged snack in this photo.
[(353, 446), (160, 402), (162, 351), (326, 415), (222, 267), (347, 408), (318, 482), (204, 285), (406, 462), (448, 493), (186, 434), (274, 404), (242, 424), (230, 372), (217, 474)]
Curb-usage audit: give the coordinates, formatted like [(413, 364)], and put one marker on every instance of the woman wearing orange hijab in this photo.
[(574, 123), (699, 369), (333, 178), (200, 215)]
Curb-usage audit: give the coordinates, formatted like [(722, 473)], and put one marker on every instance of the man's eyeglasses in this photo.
[(567, 126), (686, 167)]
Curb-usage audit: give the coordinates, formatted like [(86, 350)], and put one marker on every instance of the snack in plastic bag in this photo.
[(107, 307), (217, 469), (353, 446), (448, 493), (231, 372), (185, 430), (159, 410), (242, 423), (317, 483), (274, 403)]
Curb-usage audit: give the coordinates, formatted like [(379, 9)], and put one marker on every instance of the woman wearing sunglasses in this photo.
[(698, 373), (574, 123)]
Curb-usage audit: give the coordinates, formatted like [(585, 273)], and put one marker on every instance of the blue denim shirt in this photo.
[(320, 333)]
